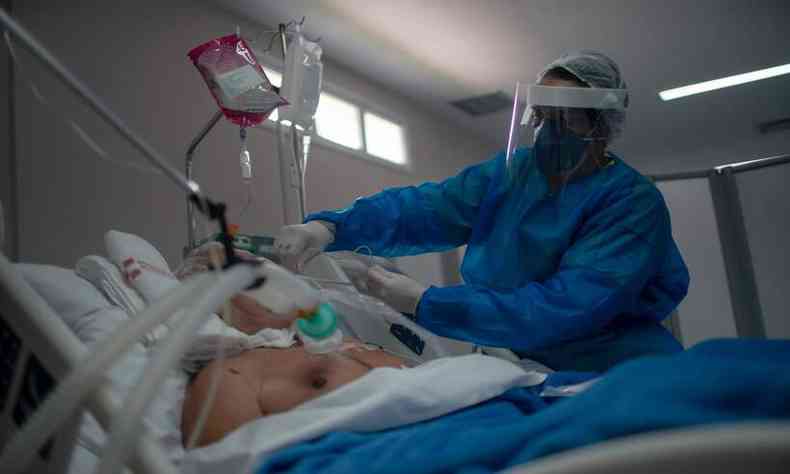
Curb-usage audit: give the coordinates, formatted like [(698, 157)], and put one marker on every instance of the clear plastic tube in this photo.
[(306, 141), (80, 383), (249, 199), (216, 376), (128, 425), (297, 157)]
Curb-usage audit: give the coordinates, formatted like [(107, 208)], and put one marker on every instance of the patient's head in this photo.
[(246, 315), (264, 382)]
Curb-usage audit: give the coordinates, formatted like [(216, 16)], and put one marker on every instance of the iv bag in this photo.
[(302, 81), (236, 80)]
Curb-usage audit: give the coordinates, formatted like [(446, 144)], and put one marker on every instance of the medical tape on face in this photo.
[(573, 97)]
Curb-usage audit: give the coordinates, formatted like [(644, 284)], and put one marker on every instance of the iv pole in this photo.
[(189, 164), (191, 218), (295, 175)]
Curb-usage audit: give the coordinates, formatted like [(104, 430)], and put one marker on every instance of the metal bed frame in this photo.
[(37, 350)]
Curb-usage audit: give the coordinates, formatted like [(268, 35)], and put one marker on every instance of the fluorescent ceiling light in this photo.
[(729, 81)]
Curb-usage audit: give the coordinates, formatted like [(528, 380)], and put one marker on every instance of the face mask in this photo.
[(557, 149)]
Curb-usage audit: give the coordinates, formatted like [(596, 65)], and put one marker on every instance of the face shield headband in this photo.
[(565, 120)]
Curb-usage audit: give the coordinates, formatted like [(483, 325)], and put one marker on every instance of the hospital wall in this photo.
[(6, 170), (707, 312), (765, 200), (133, 54)]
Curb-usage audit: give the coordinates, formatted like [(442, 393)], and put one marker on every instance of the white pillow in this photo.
[(69, 295), (106, 276), (142, 264), (92, 318)]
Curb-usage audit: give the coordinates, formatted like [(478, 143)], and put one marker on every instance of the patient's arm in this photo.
[(263, 382)]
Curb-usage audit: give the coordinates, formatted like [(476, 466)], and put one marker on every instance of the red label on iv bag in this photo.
[(236, 80)]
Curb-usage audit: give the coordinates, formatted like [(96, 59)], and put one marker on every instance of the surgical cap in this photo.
[(595, 70)]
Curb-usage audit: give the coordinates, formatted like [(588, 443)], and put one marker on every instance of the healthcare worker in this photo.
[(570, 259)]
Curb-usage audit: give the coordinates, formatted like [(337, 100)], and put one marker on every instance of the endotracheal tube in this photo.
[(286, 295)]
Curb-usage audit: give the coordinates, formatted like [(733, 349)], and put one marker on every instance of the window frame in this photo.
[(362, 105), (387, 117)]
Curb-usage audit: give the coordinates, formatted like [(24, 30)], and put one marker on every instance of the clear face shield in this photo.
[(564, 121)]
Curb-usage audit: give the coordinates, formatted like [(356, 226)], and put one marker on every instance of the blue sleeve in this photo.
[(414, 219), (616, 251)]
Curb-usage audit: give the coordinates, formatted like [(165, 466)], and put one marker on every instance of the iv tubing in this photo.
[(326, 281), (214, 382), (216, 376), (80, 383), (297, 157), (128, 425)]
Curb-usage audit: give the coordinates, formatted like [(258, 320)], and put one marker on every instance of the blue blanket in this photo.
[(714, 382)]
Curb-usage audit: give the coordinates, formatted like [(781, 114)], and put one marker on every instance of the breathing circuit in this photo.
[(288, 296)]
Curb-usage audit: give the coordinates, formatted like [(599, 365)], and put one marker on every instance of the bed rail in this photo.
[(37, 350), (739, 266)]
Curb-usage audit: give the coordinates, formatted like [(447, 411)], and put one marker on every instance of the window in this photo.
[(276, 79), (345, 123), (338, 121), (384, 138)]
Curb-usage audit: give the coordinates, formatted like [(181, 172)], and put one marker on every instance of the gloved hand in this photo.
[(356, 270), (398, 291), (303, 241)]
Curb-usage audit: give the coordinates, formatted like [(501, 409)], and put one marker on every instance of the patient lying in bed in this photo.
[(266, 381)]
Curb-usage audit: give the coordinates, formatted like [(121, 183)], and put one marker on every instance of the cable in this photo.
[(297, 162), (370, 254)]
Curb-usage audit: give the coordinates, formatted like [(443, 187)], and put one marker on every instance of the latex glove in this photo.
[(303, 242), (398, 291)]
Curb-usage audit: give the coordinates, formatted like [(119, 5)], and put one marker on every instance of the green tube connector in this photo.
[(321, 325)]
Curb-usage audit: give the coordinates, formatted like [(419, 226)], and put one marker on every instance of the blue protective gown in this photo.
[(578, 279)]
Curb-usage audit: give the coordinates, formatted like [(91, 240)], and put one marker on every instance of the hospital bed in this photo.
[(43, 341), (40, 344)]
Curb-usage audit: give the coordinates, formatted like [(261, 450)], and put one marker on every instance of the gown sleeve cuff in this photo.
[(430, 312), (336, 220)]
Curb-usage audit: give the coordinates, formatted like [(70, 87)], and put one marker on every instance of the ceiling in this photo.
[(440, 51)]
